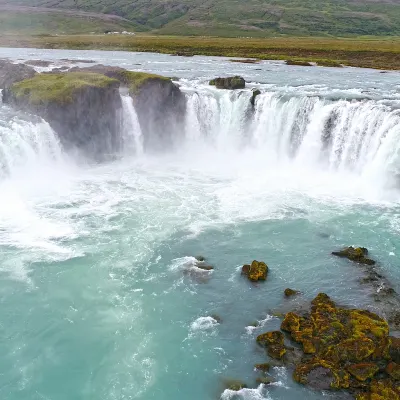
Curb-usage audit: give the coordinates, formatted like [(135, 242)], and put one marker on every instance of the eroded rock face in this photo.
[(11, 73), (159, 103), (161, 108), (81, 107)]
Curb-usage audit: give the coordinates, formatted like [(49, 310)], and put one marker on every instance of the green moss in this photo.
[(258, 271), (59, 88), (135, 80), (291, 322), (363, 371)]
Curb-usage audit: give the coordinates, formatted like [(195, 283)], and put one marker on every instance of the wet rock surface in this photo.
[(257, 271), (233, 82), (357, 254)]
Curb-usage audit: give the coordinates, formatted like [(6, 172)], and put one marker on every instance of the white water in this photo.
[(131, 133), (361, 138)]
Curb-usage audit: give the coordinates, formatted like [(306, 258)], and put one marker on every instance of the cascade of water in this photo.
[(132, 139), (362, 137), (26, 146)]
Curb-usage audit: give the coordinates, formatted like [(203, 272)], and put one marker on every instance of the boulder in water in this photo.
[(81, 107), (257, 271), (233, 82), (358, 254), (290, 292)]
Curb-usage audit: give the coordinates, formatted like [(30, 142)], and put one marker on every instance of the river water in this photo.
[(100, 296)]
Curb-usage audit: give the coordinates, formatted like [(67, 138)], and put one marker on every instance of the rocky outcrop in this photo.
[(358, 254), (159, 103), (81, 107), (257, 271), (343, 348), (233, 82), (11, 73)]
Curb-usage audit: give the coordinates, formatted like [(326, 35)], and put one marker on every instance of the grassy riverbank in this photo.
[(369, 53)]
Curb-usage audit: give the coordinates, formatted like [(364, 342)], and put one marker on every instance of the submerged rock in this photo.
[(204, 267), (233, 82), (235, 385), (358, 254), (290, 292), (81, 107), (258, 270), (263, 367), (265, 380)]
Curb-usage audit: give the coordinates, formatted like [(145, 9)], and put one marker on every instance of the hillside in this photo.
[(256, 18)]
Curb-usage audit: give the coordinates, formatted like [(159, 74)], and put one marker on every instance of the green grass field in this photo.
[(369, 53)]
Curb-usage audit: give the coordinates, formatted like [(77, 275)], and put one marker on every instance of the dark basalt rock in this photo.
[(233, 82), (11, 73), (255, 93), (358, 254)]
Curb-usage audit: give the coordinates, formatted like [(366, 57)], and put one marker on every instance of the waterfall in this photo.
[(131, 135), (27, 146), (361, 137)]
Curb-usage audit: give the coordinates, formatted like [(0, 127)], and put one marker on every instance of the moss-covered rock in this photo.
[(263, 367), (357, 254), (257, 271), (62, 89), (321, 374), (233, 82), (290, 292), (393, 369), (363, 371), (342, 349), (274, 342), (81, 107)]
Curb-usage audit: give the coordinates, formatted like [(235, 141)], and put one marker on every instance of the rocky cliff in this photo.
[(84, 106)]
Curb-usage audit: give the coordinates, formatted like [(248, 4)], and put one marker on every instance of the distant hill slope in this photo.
[(239, 17)]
